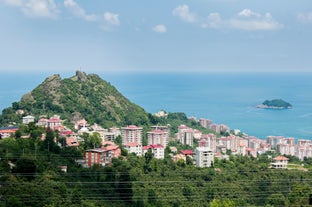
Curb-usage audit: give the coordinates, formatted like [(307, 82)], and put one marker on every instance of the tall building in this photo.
[(132, 134), (204, 157), (156, 137), (205, 123), (185, 135)]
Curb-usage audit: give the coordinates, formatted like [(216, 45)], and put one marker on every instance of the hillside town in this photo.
[(219, 144)]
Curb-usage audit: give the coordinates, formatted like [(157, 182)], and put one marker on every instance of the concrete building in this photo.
[(28, 119), (158, 137), (133, 147), (205, 123), (185, 135), (101, 156), (204, 157), (280, 162), (215, 128), (132, 134), (157, 149), (54, 122), (208, 140)]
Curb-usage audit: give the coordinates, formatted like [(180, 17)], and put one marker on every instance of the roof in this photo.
[(183, 127), (28, 117), (158, 131), (112, 147), (187, 152), (72, 141), (8, 131), (280, 158), (9, 127), (53, 120), (157, 146), (132, 127), (146, 147), (131, 144)]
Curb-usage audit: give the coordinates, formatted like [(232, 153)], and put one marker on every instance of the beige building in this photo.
[(158, 137), (132, 134), (280, 162)]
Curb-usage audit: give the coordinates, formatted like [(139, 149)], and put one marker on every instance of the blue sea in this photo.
[(228, 98)]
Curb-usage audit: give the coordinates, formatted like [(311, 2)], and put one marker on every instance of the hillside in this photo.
[(82, 95)]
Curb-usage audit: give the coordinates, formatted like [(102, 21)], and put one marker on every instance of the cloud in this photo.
[(244, 20), (36, 8), (75, 9), (160, 28), (248, 13), (184, 13), (214, 20), (305, 17), (111, 19)]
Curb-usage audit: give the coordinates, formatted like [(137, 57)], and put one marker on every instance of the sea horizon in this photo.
[(225, 98)]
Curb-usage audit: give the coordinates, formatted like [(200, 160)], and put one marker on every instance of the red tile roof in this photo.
[(132, 144), (187, 152), (281, 158)]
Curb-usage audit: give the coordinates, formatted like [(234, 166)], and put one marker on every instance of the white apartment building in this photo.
[(204, 157)]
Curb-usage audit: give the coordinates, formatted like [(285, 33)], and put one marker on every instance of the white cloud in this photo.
[(248, 13), (36, 8), (111, 19), (305, 17), (184, 13), (254, 21), (213, 21), (78, 11), (254, 24), (40, 8), (244, 20), (160, 28)]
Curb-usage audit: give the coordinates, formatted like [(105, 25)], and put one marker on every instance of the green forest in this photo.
[(31, 176)]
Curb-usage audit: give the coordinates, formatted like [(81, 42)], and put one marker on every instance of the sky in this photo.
[(156, 36)]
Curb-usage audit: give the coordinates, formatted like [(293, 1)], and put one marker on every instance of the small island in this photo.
[(275, 104)]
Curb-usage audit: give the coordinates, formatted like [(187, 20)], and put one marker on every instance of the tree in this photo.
[(276, 199), (148, 157), (26, 168)]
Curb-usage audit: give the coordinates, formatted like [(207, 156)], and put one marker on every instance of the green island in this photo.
[(275, 104)]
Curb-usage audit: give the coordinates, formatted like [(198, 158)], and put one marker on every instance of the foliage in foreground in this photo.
[(31, 177)]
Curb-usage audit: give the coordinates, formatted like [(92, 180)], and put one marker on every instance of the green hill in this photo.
[(82, 95)]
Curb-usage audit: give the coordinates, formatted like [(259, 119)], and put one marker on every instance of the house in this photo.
[(72, 141), (204, 157), (80, 123), (6, 132), (28, 119), (280, 162), (54, 122), (187, 152), (43, 122)]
